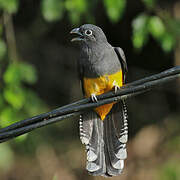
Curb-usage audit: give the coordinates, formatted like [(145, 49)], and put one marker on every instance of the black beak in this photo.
[(76, 31)]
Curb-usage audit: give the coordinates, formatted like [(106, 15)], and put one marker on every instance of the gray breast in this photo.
[(99, 60)]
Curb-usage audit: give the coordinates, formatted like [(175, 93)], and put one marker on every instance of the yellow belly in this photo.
[(101, 85)]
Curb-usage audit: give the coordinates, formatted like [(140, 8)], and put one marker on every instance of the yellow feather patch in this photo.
[(101, 85)]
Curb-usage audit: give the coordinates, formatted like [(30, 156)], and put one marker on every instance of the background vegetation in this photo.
[(38, 73)]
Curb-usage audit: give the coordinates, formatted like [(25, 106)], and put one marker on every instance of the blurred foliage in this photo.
[(170, 170), (115, 9), (6, 157), (76, 9), (140, 30), (11, 6), (150, 4), (53, 10), (158, 26), (2, 49), (143, 25), (17, 101)]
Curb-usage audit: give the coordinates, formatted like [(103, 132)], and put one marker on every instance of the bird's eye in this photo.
[(88, 32)]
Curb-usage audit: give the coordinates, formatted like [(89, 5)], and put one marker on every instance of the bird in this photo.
[(103, 130)]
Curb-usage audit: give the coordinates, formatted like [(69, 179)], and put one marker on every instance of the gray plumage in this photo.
[(106, 139), (96, 54)]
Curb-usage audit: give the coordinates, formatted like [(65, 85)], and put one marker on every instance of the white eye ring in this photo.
[(88, 32)]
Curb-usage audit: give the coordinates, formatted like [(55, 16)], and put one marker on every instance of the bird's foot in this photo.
[(116, 86), (94, 98)]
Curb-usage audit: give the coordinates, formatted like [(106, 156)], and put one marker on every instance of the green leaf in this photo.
[(159, 31), (12, 74), (52, 10), (28, 73), (20, 71), (15, 96), (167, 42), (156, 27), (75, 9), (149, 3), (140, 31), (11, 6), (76, 5), (7, 116), (3, 49), (115, 9)]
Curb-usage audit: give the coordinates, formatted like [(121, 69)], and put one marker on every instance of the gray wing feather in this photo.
[(122, 59)]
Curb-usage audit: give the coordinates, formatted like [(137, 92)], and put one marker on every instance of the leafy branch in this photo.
[(77, 108)]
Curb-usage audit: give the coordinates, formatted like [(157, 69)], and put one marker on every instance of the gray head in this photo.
[(89, 33)]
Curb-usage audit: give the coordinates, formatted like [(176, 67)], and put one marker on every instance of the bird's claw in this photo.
[(116, 87), (94, 98)]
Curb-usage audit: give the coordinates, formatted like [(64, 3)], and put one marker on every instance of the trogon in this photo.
[(104, 130)]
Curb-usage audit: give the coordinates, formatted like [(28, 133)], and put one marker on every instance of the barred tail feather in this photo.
[(105, 140), (115, 127)]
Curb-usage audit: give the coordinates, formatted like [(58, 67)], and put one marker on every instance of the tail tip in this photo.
[(92, 167)]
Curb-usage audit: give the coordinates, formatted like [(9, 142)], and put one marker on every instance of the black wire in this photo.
[(19, 131), (58, 111), (132, 89)]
